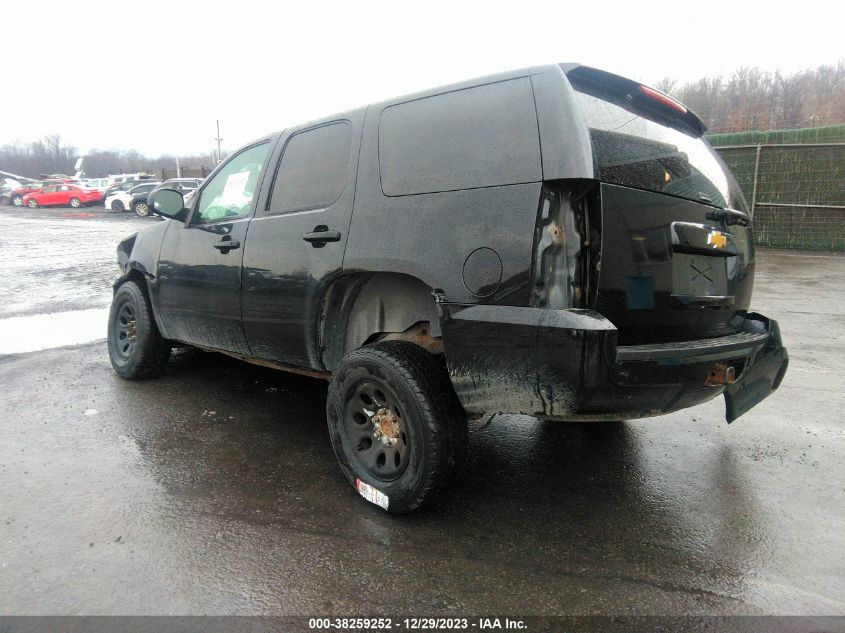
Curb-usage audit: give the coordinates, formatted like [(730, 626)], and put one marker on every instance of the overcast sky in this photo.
[(154, 75)]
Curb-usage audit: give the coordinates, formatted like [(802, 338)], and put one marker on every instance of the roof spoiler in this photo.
[(635, 97)]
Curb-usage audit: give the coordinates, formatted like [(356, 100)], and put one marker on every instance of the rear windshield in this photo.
[(648, 150)]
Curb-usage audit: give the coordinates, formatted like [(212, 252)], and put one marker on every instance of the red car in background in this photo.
[(62, 194), (16, 195)]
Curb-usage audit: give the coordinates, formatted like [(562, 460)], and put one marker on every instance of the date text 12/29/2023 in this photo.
[(416, 624)]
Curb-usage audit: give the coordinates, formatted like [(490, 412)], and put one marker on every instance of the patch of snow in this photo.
[(23, 334)]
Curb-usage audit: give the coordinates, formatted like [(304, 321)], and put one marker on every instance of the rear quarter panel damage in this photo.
[(524, 360)]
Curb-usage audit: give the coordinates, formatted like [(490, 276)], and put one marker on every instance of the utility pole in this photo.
[(219, 140)]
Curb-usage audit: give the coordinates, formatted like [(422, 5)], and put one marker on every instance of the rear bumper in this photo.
[(565, 364)]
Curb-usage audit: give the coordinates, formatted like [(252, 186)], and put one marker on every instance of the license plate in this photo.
[(699, 276)]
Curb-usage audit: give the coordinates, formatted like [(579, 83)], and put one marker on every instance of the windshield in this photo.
[(652, 154)]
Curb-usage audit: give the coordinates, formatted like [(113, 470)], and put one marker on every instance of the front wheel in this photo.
[(136, 348), (75, 203), (141, 209), (32, 204), (117, 205), (17, 200), (395, 424)]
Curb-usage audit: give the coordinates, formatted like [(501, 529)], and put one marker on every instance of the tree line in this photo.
[(749, 99), (754, 99), (51, 155)]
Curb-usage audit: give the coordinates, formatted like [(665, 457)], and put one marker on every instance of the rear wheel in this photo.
[(136, 348), (32, 204), (141, 209), (75, 203), (118, 206), (395, 424)]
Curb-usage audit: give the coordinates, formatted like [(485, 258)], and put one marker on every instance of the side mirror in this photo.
[(168, 204)]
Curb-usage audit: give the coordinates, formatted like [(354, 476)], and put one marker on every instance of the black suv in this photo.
[(138, 197), (126, 185), (556, 241)]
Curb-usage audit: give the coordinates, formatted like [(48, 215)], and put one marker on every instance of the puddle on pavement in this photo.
[(23, 334)]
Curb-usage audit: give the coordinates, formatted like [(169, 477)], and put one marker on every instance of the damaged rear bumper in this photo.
[(565, 364)]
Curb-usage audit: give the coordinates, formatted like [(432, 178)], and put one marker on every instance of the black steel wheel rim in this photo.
[(363, 402), (125, 329)]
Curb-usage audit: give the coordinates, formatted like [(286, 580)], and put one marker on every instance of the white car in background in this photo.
[(120, 200), (100, 184)]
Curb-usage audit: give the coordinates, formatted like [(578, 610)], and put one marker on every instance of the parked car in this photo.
[(17, 195), (100, 184), (556, 241), (183, 185), (6, 187), (138, 199), (62, 195), (121, 178), (124, 185), (122, 200), (186, 186)]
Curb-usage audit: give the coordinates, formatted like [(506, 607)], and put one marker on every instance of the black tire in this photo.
[(136, 348), (424, 418), (75, 203), (141, 209), (118, 206), (32, 204), (17, 200)]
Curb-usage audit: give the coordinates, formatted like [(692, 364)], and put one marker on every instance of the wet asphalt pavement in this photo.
[(214, 490)]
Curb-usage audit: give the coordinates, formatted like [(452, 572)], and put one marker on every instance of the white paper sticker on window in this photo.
[(233, 192)]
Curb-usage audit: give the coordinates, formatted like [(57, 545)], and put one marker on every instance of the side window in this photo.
[(231, 192), (313, 168), (477, 137)]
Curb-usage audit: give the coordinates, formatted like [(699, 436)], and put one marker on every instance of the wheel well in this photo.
[(366, 307), (132, 275)]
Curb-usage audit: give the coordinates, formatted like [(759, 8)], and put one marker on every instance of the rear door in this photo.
[(296, 241), (198, 283), (674, 264)]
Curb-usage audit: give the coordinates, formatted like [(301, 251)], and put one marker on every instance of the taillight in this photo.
[(663, 98)]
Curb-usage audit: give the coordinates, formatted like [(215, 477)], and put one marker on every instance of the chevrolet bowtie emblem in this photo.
[(717, 239)]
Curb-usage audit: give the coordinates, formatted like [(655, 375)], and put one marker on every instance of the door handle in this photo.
[(321, 235), (227, 244)]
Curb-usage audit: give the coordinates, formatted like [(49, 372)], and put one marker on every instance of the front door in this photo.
[(297, 238), (198, 286), (51, 195)]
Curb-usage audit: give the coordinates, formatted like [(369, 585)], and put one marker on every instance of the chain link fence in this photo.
[(794, 181)]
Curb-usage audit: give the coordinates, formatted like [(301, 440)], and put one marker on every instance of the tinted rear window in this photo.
[(639, 150)]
